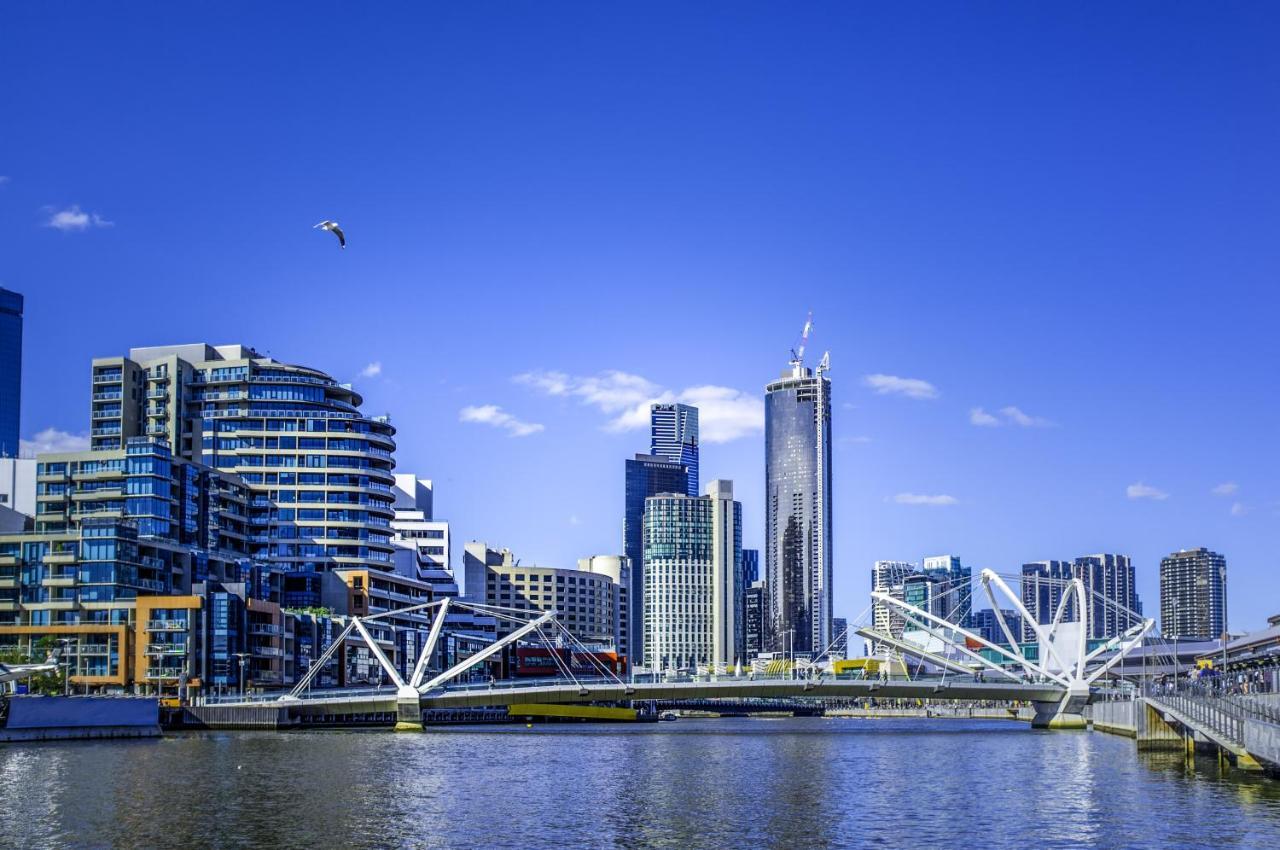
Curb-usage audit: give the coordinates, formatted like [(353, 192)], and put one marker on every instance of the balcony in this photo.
[(116, 492), (113, 431), (9, 560), (108, 378), (268, 651), (60, 558), (166, 649), (9, 582), (166, 625), (158, 394), (264, 629), (108, 395), (8, 605), (156, 410), (157, 429), (58, 581), (163, 673)]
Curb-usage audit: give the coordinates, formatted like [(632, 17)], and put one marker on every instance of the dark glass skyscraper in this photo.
[(647, 476), (673, 434), (750, 566), (11, 371), (797, 436)]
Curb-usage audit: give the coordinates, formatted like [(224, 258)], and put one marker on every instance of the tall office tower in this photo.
[(753, 621), (840, 638), (1193, 594), (319, 469), (1043, 583), (957, 603), (693, 598), (647, 475), (797, 471), (885, 577), (1111, 582), (11, 371), (673, 434), (750, 566)]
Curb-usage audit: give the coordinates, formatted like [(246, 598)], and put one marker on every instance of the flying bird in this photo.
[(332, 227)]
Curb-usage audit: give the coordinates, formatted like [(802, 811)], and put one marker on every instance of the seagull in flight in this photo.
[(332, 227)]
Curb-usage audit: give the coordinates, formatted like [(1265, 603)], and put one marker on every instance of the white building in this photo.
[(693, 585), (888, 577), (17, 491), (422, 542)]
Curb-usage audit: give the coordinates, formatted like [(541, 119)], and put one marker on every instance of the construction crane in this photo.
[(797, 354)]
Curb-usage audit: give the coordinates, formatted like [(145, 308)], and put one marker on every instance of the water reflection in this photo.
[(691, 784)]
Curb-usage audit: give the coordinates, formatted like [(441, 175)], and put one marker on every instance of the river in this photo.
[(776, 783)]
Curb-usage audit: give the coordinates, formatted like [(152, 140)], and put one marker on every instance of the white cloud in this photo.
[(1226, 488), (1017, 417), (978, 416), (940, 500), (3, 179), (1239, 509), (373, 370), (74, 219), (491, 414), (53, 440), (1145, 491), (893, 385), (724, 413)]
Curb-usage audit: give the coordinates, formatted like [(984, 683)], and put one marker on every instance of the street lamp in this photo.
[(242, 656)]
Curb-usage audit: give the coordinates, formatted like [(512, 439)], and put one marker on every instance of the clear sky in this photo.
[(1039, 240)]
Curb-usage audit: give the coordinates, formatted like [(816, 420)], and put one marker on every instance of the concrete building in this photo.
[(888, 577), (753, 613), (693, 604), (10, 372), (673, 434), (319, 470), (1193, 595), (798, 548), (957, 601), (646, 475), (422, 546), (585, 602), (1043, 583), (983, 621)]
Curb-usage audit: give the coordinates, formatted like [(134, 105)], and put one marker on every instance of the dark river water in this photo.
[(785, 783)]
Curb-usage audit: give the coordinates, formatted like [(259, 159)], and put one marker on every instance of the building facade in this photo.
[(673, 434), (1111, 588), (10, 371), (798, 547), (957, 602), (753, 614), (693, 603), (1193, 595), (888, 577), (646, 475), (985, 624)]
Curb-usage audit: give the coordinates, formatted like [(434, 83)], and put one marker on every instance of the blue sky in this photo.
[(1056, 221)]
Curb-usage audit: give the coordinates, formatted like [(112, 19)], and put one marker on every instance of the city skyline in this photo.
[(1009, 398)]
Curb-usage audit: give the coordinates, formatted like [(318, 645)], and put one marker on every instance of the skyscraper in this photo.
[(693, 600), (10, 371), (1193, 595), (797, 436), (673, 434), (886, 576), (750, 566), (1043, 583), (646, 475), (957, 600), (1110, 589)]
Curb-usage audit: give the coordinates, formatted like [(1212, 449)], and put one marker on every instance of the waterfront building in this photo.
[(1193, 595), (588, 602), (1043, 583), (673, 434), (957, 602), (646, 475), (10, 371), (422, 548), (693, 602), (798, 550), (753, 613), (319, 470)]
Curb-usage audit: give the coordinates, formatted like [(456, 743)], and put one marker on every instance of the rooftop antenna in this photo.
[(797, 354)]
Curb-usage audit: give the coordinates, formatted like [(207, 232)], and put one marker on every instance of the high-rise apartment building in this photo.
[(957, 600), (10, 371), (753, 621), (646, 475), (673, 434), (888, 577), (1193, 595), (320, 471), (985, 624), (1111, 591), (798, 548), (840, 638), (693, 601)]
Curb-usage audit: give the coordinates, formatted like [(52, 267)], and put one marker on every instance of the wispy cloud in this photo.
[(1145, 491), (938, 500), (1226, 488), (4, 178), (724, 413), (1239, 509), (74, 219), (861, 438), (894, 385), (373, 370), (1011, 416), (491, 414), (53, 440), (978, 416)]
